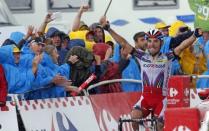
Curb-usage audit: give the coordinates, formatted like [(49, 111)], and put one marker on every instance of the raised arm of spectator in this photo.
[(76, 22), (108, 53), (35, 63), (119, 39), (98, 62), (42, 28), (124, 61), (186, 43), (25, 38)]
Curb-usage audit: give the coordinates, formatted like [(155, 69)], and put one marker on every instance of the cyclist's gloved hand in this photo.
[(197, 32)]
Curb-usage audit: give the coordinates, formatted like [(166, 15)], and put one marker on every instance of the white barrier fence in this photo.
[(8, 118), (63, 114)]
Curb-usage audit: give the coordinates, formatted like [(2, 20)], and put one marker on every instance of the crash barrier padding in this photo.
[(178, 91), (182, 119), (110, 107), (203, 108)]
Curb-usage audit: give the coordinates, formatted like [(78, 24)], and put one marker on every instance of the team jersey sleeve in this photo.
[(138, 53)]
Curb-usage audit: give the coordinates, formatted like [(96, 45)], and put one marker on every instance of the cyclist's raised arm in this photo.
[(176, 41), (186, 43), (119, 39)]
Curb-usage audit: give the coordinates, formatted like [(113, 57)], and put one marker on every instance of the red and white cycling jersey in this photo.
[(155, 73)]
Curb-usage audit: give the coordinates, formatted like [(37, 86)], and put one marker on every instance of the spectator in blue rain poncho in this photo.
[(19, 79), (45, 84), (204, 42)]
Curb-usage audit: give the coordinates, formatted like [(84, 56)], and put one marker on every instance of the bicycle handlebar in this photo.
[(137, 120)]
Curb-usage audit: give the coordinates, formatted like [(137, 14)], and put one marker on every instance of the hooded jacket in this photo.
[(19, 79), (42, 86)]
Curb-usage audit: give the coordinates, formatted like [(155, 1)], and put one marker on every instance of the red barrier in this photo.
[(182, 119), (179, 91), (108, 108)]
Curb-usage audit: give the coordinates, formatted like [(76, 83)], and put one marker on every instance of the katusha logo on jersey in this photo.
[(173, 92), (181, 128)]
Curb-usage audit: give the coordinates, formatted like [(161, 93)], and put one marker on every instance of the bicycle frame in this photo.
[(153, 121), (141, 121)]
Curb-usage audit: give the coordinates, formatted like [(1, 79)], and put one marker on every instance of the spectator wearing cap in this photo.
[(19, 79), (16, 54), (163, 28), (174, 38), (36, 45), (34, 48), (178, 32)]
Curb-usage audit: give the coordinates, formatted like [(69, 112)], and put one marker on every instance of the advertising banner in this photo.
[(110, 107), (8, 117), (58, 114), (201, 10)]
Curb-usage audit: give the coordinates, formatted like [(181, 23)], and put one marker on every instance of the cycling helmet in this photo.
[(154, 34)]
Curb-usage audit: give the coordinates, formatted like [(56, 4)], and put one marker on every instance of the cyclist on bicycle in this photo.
[(155, 71)]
